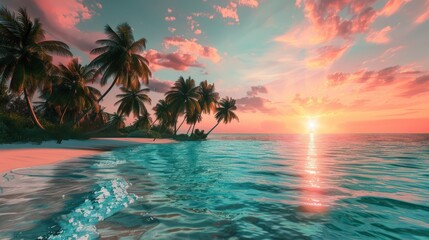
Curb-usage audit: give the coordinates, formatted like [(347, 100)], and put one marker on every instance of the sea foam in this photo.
[(110, 197)]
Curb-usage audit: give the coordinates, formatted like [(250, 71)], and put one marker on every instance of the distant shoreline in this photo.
[(25, 155)]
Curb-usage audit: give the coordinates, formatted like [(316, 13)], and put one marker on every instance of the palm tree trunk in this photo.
[(213, 128), (30, 106), (184, 118), (99, 100), (108, 90), (64, 113), (190, 126), (193, 127), (153, 123)]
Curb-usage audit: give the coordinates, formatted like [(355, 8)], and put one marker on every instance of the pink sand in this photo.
[(25, 155)]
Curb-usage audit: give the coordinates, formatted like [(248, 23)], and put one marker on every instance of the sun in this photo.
[(311, 125)]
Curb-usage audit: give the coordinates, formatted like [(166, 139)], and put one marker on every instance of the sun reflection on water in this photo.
[(312, 191)]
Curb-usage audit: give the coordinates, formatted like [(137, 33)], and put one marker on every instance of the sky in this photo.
[(350, 66)]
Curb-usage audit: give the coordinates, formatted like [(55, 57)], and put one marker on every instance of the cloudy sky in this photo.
[(353, 65)]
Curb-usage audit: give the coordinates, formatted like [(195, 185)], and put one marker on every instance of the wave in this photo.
[(110, 197)]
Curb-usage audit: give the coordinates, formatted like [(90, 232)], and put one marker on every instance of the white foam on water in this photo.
[(111, 197)]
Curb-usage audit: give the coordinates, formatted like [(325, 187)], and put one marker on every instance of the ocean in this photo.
[(361, 186)]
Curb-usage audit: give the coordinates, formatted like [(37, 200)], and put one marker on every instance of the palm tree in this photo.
[(209, 97), (119, 57), (133, 101), (163, 114), (225, 112), (24, 54), (72, 93), (208, 100), (192, 120), (183, 98), (144, 121)]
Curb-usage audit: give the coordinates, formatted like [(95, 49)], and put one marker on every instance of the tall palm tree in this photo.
[(183, 98), (209, 97), (72, 93), (25, 55), (225, 112), (163, 114), (208, 100), (133, 101), (118, 57)]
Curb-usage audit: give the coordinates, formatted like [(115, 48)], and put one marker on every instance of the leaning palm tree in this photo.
[(25, 55), (133, 101), (72, 93), (119, 57), (183, 99), (225, 112)]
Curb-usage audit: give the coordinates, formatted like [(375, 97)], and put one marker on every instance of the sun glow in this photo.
[(311, 125)]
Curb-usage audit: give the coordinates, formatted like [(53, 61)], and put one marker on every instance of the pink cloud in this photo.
[(336, 79), (326, 23), (197, 32), (253, 103), (393, 6), (60, 19), (418, 86), (176, 61), (170, 18), (160, 86), (203, 14), (255, 90), (171, 29), (326, 55), (249, 3), (379, 37), (230, 11), (424, 16), (191, 46), (169, 10), (410, 82)]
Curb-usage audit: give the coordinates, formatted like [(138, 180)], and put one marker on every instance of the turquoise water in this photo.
[(230, 187)]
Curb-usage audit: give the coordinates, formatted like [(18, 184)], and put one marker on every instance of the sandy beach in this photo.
[(25, 155)]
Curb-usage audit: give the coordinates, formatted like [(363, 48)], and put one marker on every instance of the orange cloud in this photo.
[(249, 3), (316, 106), (380, 36), (424, 15), (392, 6), (418, 86), (326, 55)]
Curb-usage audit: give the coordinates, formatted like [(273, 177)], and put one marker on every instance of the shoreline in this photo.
[(25, 155)]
